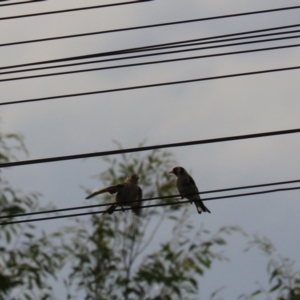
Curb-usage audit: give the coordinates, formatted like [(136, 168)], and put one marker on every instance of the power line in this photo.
[(131, 28), (154, 25), (15, 3), (31, 2), (150, 199), (147, 148), (151, 205), (197, 42), (130, 88), (68, 10), (147, 63), (131, 57), (194, 42)]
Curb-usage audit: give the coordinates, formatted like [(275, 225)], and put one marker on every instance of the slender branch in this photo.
[(152, 234)]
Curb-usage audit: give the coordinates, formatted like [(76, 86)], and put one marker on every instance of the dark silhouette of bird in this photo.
[(125, 192), (187, 188)]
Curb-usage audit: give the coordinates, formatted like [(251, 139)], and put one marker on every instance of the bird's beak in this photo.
[(171, 172)]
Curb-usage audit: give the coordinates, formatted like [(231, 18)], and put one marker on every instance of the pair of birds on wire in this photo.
[(130, 194)]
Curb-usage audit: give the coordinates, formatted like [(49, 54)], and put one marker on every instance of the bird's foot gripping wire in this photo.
[(111, 209), (178, 199)]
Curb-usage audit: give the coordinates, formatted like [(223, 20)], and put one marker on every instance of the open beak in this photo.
[(171, 172)]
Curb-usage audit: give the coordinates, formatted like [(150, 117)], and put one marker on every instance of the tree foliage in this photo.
[(26, 261), (161, 255), (284, 281)]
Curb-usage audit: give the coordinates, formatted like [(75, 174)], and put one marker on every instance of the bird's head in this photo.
[(133, 178), (177, 171)]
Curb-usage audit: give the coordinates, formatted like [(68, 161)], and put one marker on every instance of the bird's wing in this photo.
[(111, 189), (192, 182), (136, 206)]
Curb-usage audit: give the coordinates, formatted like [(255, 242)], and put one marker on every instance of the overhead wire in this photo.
[(15, 3), (151, 199), (161, 146), (279, 9), (177, 44), (123, 58), (149, 63), (149, 206), (45, 13), (126, 29), (161, 84), (144, 63), (148, 148), (197, 42)]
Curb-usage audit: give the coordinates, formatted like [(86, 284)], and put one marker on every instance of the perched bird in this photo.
[(187, 187), (125, 192)]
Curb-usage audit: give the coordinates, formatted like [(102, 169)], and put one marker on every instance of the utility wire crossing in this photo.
[(182, 44), (147, 55), (136, 64), (125, 29), (164, 46), (114, 152), (142, 63)]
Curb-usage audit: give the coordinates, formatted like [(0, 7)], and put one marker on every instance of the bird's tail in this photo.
[(201, 207), (136, 208), (97, 192), (110, 189)]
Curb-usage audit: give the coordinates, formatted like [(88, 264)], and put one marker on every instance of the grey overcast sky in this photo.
[(175, 113)]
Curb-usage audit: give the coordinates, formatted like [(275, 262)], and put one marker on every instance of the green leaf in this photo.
[(277, 286)]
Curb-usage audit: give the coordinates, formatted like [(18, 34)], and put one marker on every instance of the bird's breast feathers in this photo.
[(129, 192), (186, 185)]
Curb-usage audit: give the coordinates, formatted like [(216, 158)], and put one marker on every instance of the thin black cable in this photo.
[(197, 42), (155, 25), (130, 88), (148, 63), (15, 3), (106, 60), (73, 10), (147, 148), (133, 28), (151, 205), (201, 41), (150, 199), (120, 51), (188, 43)]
